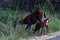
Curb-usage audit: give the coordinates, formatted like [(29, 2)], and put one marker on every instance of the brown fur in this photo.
[(32, 18), (41, 25)]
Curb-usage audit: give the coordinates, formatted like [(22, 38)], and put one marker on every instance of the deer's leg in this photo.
[(34, 30), (42, 30), (28, 27), (47, 31), (37, 28)]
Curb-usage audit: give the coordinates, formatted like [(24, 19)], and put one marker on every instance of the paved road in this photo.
[(55, 38)]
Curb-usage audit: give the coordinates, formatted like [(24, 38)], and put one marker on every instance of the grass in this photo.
[(53, 22), (7, 31)]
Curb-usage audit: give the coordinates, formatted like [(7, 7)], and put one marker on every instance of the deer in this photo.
[(31, 19), (42, 25)]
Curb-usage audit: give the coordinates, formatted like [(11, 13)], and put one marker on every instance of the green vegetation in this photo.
[(53, 21), (10, 8), (7, 31)]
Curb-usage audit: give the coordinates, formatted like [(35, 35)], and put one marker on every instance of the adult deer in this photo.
[(35, 16)]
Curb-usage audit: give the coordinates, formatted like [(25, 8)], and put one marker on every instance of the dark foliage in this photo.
[(28, 5)]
